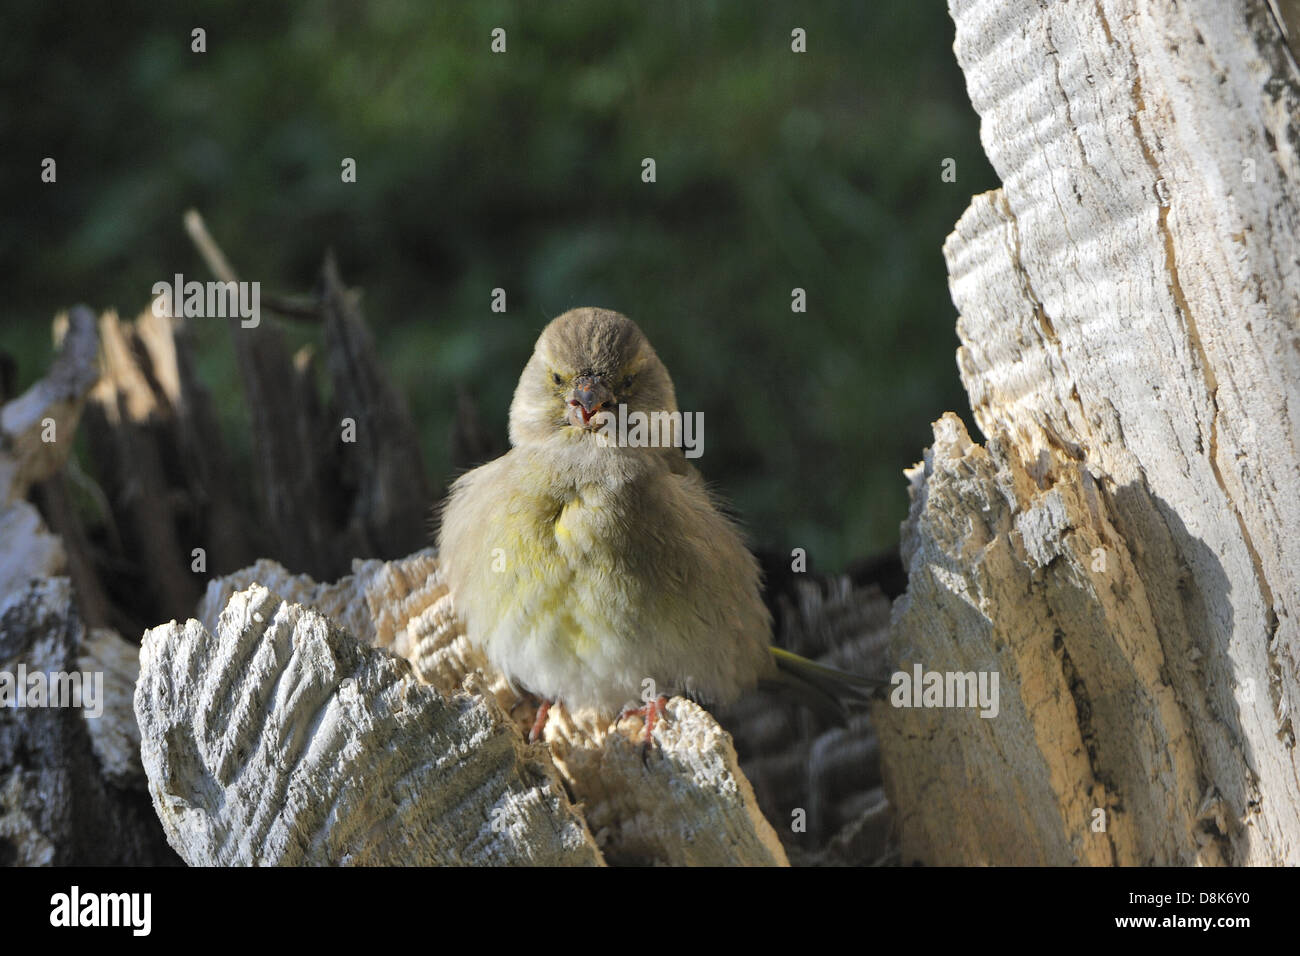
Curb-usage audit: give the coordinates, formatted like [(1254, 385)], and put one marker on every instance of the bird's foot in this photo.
[(543, 711), (652, 712)]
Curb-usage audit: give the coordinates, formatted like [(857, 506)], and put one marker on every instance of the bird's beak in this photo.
[(589, 395)]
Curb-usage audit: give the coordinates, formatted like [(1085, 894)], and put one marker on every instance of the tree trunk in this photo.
[(1122, 550)]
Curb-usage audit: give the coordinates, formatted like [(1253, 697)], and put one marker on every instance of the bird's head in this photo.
[(586, 362)]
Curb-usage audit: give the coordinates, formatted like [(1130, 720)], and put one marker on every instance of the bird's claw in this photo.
[(652, 712)]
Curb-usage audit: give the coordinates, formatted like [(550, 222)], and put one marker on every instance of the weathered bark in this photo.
[(327, 499), (1123, 550), (68, 793), (694, 805), (287, 447), (282, 740), (391, 501), (28, 453), (217, 739), (132, 428), (71, 790), (56, 505)]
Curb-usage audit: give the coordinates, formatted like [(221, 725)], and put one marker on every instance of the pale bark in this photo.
[(36, 437), (69, 793), (30, 448), (1123, 551), (282, 740), (218, 737)]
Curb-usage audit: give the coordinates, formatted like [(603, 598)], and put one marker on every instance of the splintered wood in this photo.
[(270, 735), (1123, 549)]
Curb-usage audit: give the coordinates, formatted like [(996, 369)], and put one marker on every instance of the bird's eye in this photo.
[(625, 384), (555, 377)]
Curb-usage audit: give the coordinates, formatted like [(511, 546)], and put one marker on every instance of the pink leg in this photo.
[(652, 712), (540, 723)]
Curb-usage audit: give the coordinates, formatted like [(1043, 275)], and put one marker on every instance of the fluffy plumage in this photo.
[(581, 568)]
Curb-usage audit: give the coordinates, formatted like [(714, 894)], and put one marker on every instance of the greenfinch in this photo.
[(598, 572)]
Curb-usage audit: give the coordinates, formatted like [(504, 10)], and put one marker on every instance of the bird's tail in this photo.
[(828, 690)]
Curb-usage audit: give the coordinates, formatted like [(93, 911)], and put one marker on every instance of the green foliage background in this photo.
[(522, 170)]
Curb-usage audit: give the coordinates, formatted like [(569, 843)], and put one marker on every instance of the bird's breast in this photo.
[(580, 523)]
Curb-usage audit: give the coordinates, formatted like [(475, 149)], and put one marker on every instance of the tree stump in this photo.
[(1122, 549)]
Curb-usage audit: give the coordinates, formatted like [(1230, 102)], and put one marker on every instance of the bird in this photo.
[(599, 572)]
